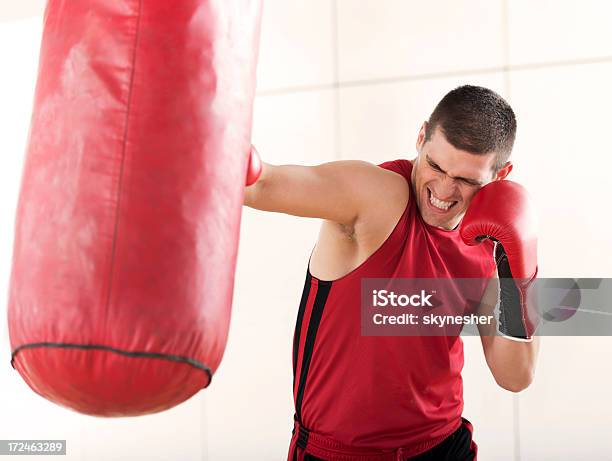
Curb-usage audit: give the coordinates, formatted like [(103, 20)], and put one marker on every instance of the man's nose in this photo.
[(447, 188)]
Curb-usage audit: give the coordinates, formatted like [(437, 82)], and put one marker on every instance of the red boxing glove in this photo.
[(501, 212), (254, 168)]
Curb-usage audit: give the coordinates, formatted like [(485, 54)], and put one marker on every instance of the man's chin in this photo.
[(439, 220), (447, 223)]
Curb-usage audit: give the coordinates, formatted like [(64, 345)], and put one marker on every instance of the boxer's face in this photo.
[(445, 179)]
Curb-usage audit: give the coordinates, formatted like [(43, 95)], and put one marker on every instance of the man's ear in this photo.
[(503, 171), (421, 137)]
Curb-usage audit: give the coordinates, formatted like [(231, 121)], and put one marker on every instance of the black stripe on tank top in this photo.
[(323, 288), (298, 323)]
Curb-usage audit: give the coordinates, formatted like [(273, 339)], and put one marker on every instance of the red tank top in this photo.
[(383, 392)]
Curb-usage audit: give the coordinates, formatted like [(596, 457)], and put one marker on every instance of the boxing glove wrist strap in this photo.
[(514, 321)]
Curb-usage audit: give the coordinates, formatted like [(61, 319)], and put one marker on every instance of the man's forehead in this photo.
[(440, 150)]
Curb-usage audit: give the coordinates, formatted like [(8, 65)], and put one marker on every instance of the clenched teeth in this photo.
[(439, 203)]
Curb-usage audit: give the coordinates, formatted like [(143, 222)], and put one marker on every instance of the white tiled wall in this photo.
[(355, 79), (546, 31), (297, 34), (396, 38), (295, 127), (12, 10), (487, 406), (565, 414), (565, 158), (381, 121)]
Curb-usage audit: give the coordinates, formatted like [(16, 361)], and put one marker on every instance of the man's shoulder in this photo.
[(399, 166), (389, 198)]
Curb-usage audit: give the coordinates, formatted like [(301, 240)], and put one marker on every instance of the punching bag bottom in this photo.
[(128, 386)]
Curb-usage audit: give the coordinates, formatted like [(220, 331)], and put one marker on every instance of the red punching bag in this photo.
[(129, 211)]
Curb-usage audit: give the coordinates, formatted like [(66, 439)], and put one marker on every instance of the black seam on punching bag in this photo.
[(150, 355), (122, 164)]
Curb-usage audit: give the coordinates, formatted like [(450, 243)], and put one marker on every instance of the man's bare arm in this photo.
[(337, 191)]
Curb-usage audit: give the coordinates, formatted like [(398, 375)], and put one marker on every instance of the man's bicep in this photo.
[(338, 191)]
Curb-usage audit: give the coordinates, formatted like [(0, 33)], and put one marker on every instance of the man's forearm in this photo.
[(512, 363)]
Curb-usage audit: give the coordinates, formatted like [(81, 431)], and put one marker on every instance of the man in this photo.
[(384, 397)]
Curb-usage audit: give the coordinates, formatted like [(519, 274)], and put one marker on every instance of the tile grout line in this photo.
[(418, 77), (204, 421), (516, 413), (516, 421), (506, 46), (336, 81)]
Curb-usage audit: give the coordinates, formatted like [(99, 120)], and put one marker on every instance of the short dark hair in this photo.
[(477, 120)]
